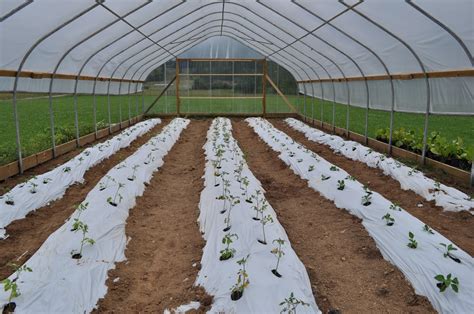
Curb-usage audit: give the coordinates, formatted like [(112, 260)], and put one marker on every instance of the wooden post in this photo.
[(264, 87), (178, 102)]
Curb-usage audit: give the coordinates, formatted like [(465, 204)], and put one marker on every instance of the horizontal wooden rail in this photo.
[(61, 76), (221, 97), (219, 60), (399, 76), (221, 74)]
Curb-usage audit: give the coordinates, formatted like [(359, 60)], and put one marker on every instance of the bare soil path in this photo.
[(456, 226), (165, 239), (346, 269), (28, 234)]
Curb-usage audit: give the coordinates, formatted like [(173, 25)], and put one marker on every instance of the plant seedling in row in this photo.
[(291, 303), (334, 168), (12, 286), (395, 206), (104, 185), (9, 200), (278, 252), (299, 160), (264, 221), (324, 178), (232, 202), (311, 168), (445, 283), (113, 201), (427, 228), (33, 188), (246, 182), (367, 198), (228, 252), (238, 289), (341, 185), (449, 248), (412, 244), (47, 180), (437, 187), (66, 169), (351, 178), (149, 159), (80, 209), (389, 220), (257, 206), (133, 176), (80, 226)]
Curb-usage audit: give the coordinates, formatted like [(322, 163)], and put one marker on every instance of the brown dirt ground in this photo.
[(28, 234), (165, 238), (456, 226), (346, 270)]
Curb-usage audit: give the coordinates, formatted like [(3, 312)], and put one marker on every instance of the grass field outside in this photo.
[(34, 118)]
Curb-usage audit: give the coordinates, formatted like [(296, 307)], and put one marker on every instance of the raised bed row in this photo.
[(50, 186), (248, 264), (69, 271), (434, 267), (447, 197)]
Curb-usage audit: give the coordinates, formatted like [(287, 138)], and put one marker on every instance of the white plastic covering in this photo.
[(52, 185), (312, 39), (60, 284), (419, 265), (447, 197), (265, 291)]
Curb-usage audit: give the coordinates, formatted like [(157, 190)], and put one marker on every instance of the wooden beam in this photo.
[(62, 76), (159, 96), (399, 76), (264, 88), (178, 104), (281, 94)]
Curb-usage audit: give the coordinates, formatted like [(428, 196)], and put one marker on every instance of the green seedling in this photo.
[(264, 221), (104, 184), (427, 228), (324, 178), (388, 219), (334, 168), (299, 160), (395, 206), (9, 200), (449, 248), (243, 282), (278, 252), (12, 286), (113, 201), (228, 252), (445, 283), (81, 226), (311, 168), (291, 303), (437, 187), (133, 176), (367, 199), (80, 209), (33, 187), (232, 202), (257, 208), (351, 178), (412, 244), (66, 169), (47, 180), (341, 185), (246, 182)]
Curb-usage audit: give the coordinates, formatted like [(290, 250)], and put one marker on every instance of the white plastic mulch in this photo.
[(61, 284), (51, 186), (419, 265), (265, 291), (447, 197)]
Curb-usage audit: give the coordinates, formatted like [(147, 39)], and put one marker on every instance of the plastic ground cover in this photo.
[(419, 265), (52, 185), (265, 291), (447, 197), (61, 284)]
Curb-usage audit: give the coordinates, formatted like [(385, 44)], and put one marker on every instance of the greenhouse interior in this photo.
[(237, 156)]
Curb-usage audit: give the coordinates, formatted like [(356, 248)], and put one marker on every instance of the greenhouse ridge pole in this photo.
[(20, 67)]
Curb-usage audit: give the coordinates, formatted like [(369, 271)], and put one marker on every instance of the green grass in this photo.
[(35, 120)]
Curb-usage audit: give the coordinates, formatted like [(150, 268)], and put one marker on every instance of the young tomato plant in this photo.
[(81, 226), (103, 185), (228, 252), (265, 219), (9, 200), (12, 286), (133, 176), (311, 168), (113, 201), (412, 243), (246, 182), (445, 283), (324, 178), (449, 248), (33, 187), (257, 208), (232, 202), (395, 206), (427, 228), (238, 289), (334, 168), (291, 303), (389, 220), (278, 252), (367, 198)]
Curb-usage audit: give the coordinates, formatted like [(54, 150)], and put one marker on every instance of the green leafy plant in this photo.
[(449, 248), (104, 184), (246, 182), (341, 185), (311, 168), (243, 282), (265, 219), (12, 286), (232, 202), (9, 200), (133, 176), (324, 178), (351, 178), (395, 206), (81, 226), (278, 252), (334, 168), (291, 303), (113, 200), (427, 228), (257, 208), (33, 187), (389, 220), (66, 169), (228, 252), (412, 243), (47, 180), (367, 198), (445, 283)]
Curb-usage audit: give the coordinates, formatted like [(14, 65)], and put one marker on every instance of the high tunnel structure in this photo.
[(396, 56)]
